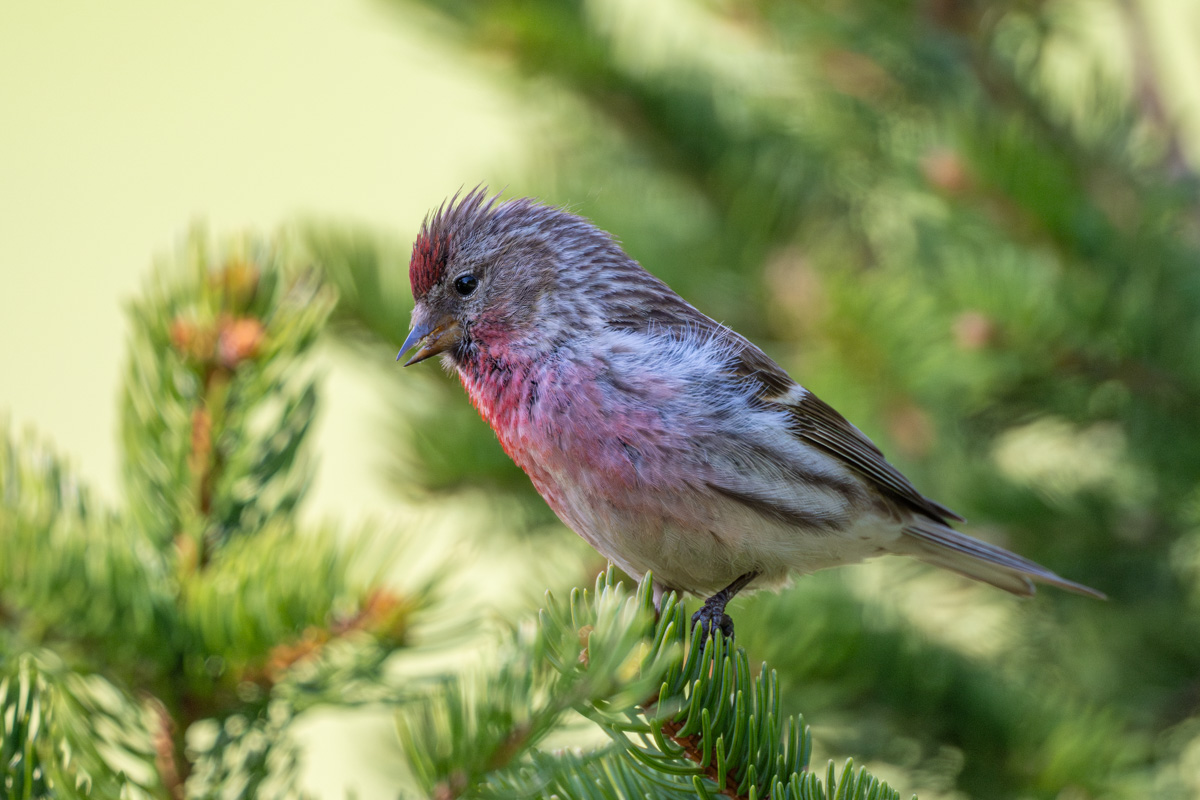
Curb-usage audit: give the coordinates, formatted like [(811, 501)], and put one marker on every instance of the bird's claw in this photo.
[(709, 616)]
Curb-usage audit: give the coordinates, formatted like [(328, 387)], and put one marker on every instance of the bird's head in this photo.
[(503, 277)]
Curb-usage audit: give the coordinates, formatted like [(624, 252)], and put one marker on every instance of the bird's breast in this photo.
[(575, 433), (663, 464)]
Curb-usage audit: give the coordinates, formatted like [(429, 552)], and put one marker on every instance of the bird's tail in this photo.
[(945, 547)]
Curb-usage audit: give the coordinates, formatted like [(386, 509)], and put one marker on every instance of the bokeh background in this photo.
[(971, 226)]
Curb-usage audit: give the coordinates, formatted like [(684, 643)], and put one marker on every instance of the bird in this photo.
[(665, 439)]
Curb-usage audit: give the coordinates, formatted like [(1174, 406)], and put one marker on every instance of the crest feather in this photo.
[(434, 245)]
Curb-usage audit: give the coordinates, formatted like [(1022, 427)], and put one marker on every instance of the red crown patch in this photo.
[(430, 253)]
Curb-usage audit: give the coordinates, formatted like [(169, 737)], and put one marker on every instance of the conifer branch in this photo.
[(63, 734), (709, 729), (204, 592)]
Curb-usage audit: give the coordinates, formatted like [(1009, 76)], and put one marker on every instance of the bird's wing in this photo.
[(817, 423), (812, 420)]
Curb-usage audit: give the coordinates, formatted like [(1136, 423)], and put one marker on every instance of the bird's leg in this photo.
[(713, 611)]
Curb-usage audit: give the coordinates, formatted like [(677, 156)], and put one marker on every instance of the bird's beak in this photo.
[(430, 338)]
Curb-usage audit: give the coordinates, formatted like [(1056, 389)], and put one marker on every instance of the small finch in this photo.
[(666, 440)]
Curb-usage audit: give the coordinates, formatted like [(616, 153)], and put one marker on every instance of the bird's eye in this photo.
[(465, 284)]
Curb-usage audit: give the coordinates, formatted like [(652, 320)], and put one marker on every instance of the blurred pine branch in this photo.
[(165, 648)]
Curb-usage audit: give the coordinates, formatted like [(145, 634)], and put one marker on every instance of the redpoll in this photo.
[(666, 440)]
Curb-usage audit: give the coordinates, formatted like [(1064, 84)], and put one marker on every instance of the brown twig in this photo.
[(691, 749), (691, 745), (216, 352), (383, 614), (169, 758)]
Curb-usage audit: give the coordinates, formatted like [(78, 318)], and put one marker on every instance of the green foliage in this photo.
[(212, 447), (85, 573), (204, 604), (241, 757), (68, 734), (259, 591), (685, 716)]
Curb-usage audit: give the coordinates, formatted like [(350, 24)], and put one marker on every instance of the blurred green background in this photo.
[(972, 227)]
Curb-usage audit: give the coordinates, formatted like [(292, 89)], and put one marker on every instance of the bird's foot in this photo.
[(712, 616)]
